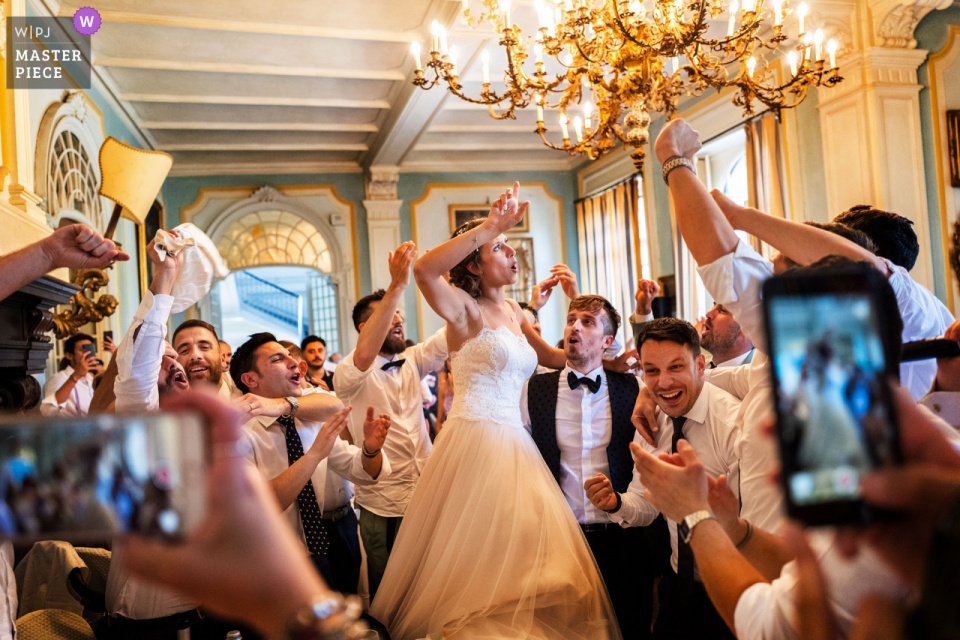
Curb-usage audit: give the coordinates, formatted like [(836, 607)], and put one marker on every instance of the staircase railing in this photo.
[(271, 299)]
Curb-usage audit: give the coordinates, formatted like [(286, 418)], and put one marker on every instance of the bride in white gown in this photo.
[(489, 547)]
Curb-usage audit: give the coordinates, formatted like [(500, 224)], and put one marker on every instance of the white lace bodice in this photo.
[(488, 375)]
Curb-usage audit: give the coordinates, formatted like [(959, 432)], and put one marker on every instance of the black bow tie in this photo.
[(393, 364), (575, 381)]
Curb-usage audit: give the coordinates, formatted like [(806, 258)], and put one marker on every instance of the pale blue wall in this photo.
[(931, 34)]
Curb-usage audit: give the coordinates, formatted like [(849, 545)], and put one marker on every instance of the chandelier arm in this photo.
[(623, 28)]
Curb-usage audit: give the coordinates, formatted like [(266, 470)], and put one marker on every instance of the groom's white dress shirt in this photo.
[(584, 429)]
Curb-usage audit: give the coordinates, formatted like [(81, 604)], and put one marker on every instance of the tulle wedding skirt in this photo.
[(490, 549)]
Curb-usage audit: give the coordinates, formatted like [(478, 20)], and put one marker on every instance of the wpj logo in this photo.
[(49, 53)]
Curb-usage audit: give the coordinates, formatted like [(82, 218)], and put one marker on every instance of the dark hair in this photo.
[(362, 310), (526, 307), (410, 343), (858, 238), (294, 351), (670, 330), (460, 275), (838, 265), (190, 324), (893, 234), (71, 343), (306, 341), (598, 303), (243, 360)]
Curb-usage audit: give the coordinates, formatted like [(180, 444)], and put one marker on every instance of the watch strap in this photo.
[(675, 162), (692, 521)]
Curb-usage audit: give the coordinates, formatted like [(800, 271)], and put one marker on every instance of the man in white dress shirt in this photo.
[(579, 418), (381, 372), (703, 415), (294, 457), (198, 351), (68, 392)]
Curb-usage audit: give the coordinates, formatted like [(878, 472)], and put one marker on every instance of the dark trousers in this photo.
[(695, 619), (340, 567), (624, 563)]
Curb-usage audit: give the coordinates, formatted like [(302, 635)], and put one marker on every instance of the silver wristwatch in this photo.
[(294, 405), (685, 526)]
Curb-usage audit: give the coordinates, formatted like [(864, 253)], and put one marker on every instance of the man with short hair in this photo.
[(373, 374), (226, 354), (69, 391), (722, 338), (705, 416), (314, 350), (294, 458), (579, 418), (198, 351)]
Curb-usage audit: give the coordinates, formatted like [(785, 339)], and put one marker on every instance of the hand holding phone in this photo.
[(835, 416)]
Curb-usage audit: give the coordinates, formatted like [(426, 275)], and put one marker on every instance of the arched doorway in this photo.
[(287, 274)]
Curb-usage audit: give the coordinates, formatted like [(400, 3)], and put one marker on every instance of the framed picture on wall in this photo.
[(526, 272), (460, 213), (953, 145)]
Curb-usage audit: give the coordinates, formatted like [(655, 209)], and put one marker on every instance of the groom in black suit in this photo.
[(580, 420)]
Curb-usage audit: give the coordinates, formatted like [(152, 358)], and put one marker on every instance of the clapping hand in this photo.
[(644, 417), (647, 291), (330, 431), (600, 492), (80, 247), (375, 430), (676, 484), (506, 212)]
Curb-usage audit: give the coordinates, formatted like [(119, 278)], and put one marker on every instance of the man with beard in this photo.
[(373, 375), (722, 338), (198, 351), (703, 415), (314, 350), (580, 420)]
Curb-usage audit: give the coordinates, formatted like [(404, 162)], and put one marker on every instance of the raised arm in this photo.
[(448, 301), (800, 243), (76, 246), (547, 355), (702, 224), (374, 330)]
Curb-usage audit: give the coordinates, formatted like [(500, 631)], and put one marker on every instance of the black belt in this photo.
[(336, 514), (600, 526), (176, 621)]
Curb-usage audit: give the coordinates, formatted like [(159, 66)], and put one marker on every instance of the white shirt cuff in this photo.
[(636, 318), (160, 307)]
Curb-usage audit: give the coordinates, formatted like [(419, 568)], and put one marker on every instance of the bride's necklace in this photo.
[(511, 318)]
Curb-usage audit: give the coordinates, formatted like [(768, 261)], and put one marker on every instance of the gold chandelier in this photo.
[(622, 59)]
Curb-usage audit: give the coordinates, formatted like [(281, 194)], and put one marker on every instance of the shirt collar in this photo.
[(698, 412), (735, 362), (382, 361), (592, 375), (69, 371)]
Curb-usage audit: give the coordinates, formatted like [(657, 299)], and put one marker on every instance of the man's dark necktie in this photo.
[(393, 364), (575, 381), (314, 528), (685, 560)]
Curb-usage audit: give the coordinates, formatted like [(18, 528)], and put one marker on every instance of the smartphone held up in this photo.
[(830, 344), (88, 479)]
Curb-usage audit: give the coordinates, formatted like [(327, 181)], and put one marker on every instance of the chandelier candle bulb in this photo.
[(749, 6), (731, 25), (807, 43), (539, 109), (587, 110), (578, 127), (505, 12), (485, 62), (435, 32), (818, 41), (777, 6), (801, 14), (751, 65), (538, 48), (563, 128), (792, 61), (415, 49), (454, 54), (466, 5), (832, 51)]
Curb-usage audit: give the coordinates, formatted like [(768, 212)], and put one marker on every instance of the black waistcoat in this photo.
[(542, 395)]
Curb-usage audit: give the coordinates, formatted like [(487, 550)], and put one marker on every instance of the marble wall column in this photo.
[(383, 221)]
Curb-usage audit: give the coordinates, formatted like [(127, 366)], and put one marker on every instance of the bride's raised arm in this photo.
[(451, 302)]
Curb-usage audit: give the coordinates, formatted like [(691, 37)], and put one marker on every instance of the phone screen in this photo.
[(89, 348), (835, 420), (90, 478)]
